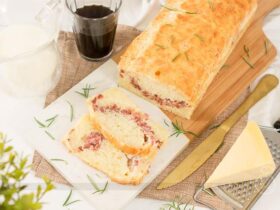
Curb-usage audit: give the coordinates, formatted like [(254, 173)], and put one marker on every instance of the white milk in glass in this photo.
[(28, 61)]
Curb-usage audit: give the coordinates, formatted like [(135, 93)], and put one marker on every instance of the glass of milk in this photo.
[(29, 58)]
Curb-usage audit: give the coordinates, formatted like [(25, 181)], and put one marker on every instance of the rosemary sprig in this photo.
[(178, 10), (187, 56), (246, 50), (176, 205), (49, 135), (168, 24), (51, 120), (214, 127), (176, 57), (199, 37), (42, 125), (47, 123), (192, 133), (85, 91), (266, 45), (95, 186), (71, 111), (67, 202), (211, 5), (225, 66), (248, 62), (160, 46), (178, 130), (166, 123), (59, 160)]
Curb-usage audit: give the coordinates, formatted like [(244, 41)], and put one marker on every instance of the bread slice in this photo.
[(91, 147), (173, 62), (124, 125)]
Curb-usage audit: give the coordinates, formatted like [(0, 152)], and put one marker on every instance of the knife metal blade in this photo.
[(212, 143)]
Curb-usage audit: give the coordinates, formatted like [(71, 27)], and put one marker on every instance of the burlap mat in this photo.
[(74, 68)]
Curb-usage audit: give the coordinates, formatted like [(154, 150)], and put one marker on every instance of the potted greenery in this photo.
[(13, 170)]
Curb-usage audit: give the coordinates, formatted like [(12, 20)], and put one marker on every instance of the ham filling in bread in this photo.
[(156, 98), (92, 147), (173, 62), (139, 118), (124, 124), (92, 141)]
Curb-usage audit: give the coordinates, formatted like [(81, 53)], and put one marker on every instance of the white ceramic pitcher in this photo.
[(29, 58)]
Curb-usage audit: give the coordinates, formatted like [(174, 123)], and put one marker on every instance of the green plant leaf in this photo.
[(85, 91), (248, 62), (67, 202), (13, 170), (178, 10), (8, 149), (95, 186), (71, 111), (38, 192), (49, 135), (41, 125)]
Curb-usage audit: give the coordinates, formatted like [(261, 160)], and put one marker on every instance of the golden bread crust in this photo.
[(123, 147), (186, 51), (132, 180)]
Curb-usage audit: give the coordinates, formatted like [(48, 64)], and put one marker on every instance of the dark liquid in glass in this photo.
[(95, 40)]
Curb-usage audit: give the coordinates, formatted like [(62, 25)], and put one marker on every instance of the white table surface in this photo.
[(14, 112)]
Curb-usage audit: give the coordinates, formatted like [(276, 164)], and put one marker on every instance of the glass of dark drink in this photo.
[(94, 26)]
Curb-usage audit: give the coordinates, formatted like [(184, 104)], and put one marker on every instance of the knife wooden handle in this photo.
[(265, 85)]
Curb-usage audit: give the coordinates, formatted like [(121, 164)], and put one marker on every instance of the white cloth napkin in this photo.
[(267, 111)]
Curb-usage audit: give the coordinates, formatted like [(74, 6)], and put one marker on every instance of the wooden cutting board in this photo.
[(236, 76)]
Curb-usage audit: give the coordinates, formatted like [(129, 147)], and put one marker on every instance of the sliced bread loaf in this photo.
[(124, 125), (91, 146), (173, 62)]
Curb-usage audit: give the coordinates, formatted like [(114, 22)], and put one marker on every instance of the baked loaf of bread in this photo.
[(124, 125), (175, 59), (90, 146)]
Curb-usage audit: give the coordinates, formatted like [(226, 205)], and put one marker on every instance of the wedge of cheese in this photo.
[(248, 159)]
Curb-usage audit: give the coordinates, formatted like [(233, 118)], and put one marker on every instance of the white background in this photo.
[(14, 112)]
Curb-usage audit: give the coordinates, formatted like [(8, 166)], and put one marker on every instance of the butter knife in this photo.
[(208, 147)]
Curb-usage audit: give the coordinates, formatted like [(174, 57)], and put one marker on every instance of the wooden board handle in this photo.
[(265, 85), (265, 7)]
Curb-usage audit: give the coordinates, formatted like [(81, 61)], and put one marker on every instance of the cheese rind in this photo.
[(248, 159)]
